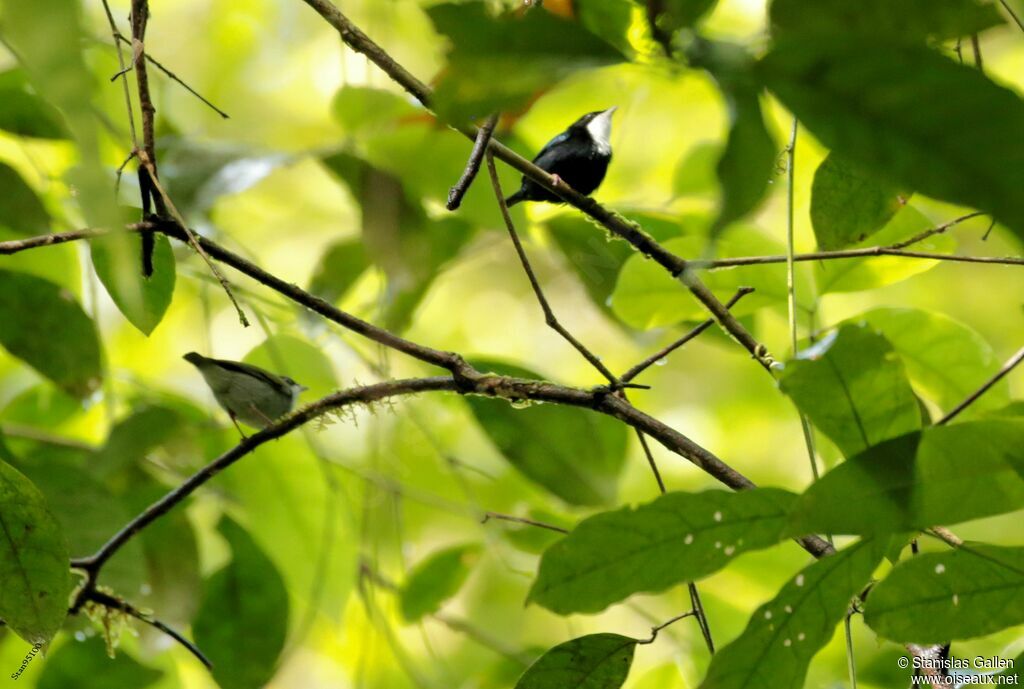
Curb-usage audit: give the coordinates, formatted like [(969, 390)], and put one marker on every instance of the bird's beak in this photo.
[(611, 110)]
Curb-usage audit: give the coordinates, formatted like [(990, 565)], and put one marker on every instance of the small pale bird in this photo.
[(579, 156), (247, 393)]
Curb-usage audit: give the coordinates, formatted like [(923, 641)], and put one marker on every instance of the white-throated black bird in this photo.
[(579, 156), (246, 392)]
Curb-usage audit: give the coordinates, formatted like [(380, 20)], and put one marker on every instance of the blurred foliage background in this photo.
[(327, 175)]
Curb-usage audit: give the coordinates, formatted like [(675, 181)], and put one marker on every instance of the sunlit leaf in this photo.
[(33, 311), (897, 122), (784, 634), (971, 591), (853, 387), (299, 360), (35, 581), (23, 112), (573, 453), (679, 537), (435, 580), (143, 301), (530, 52), (87, 666), (919, 480), (848, 204), (945, 357), (247, 594), (21, 211), (596, 661)]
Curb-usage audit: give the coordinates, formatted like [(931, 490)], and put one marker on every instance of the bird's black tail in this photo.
[(515, 198)]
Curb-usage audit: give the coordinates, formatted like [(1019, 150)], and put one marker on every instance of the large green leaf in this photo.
[(908, 20), (946, 358), (974, 590), (87, 666), (243, 618), (848, 204), (852, 386), (897, 122), (46, 328), (35, 581), (134, 436), (595, 661), (338, 269), (24, 112), (919, 480), (855, 274), (21, 211), (301, 361), (435, 580), (679, 537), (784, 634), (143, 301), (530, 52), (573, 453)]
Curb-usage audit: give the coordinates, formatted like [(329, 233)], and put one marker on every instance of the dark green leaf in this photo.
[(897, 122), (143, 301), (573, 453), (43, 406), (87, 666), (34, 578), (338, 269), (46, 328), (946, 358), (784, 634), (747, 163), (854, 274), (596, 661), (971, 591), (908, 20), (695, 173), (21, 211), (918, 480), (678, 14), (530, 52), (25, 113), (435, 580), (677, 538), (134, 436), (608, 19), (852, 386), (849, 204), (243, 618)]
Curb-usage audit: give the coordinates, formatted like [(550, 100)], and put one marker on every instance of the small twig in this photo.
[(476, 156), (976, 47), (124, 68), (1009, 10), (521, 520), (938, 229), (946, 536), (656, 630), (1011, 363), (174, 77), (115, 603), (665, 351), (991, 225)]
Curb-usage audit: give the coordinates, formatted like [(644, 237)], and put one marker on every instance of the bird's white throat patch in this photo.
[(600, 129)]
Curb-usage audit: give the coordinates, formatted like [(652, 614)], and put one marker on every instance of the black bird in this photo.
[(579, 156)]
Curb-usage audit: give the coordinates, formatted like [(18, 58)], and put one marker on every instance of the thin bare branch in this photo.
[(1011, 363), (476, 156), (521, 520)]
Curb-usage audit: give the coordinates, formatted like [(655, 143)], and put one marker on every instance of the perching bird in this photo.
[(579, 156), (247, 393)]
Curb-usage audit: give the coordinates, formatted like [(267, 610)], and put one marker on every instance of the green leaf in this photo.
[(748, 161), (134, 436), (361, 110), (23, 112), (33, 312), (919, 480), (679, 14), (35, 581), (87, 666), (896, 122), (611, 20), (784, 634), (338, 269), (21, 211), (854, 274), (143, 301), (299, 360), (849, 204), (530, 52), (852, 386), (679, 537), (908, 20), (435, 580), (245, 596), (946, 358), (971, 591), (573, 453), (695, 172), (595, 661), (647, 297)]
